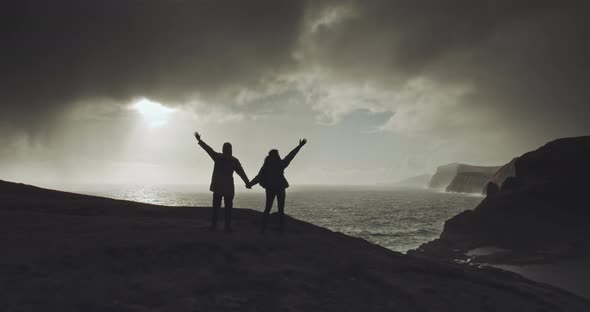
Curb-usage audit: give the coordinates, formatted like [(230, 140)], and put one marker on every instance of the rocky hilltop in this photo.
[(71, 252), (538, 215), (462, 178)]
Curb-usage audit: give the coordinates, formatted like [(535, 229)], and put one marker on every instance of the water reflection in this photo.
[(398, 219)]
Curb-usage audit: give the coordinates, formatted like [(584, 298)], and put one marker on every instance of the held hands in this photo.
[(197, 136), (302, 142)]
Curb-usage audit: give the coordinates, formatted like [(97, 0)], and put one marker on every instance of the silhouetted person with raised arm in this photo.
[(271, 177), (222, 181)]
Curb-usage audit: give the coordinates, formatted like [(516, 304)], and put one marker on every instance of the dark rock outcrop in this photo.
[(540, 214), (70, 252), (505, 172), (492, 189)]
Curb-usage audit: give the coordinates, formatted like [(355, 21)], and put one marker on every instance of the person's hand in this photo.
[(302, 142), (197, 136)]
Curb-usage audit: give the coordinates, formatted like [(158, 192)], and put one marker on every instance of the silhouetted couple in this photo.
[(271, 177)]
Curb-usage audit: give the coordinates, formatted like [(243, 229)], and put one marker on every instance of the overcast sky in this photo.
[(111, 91)]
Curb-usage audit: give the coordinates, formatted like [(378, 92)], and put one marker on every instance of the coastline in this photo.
[(571, 274), (72, 252)]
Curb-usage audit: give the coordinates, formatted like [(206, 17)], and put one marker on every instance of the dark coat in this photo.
[(272, 174), (222, 180)]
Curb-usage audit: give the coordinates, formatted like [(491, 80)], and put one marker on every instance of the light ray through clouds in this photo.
[(154, 113)]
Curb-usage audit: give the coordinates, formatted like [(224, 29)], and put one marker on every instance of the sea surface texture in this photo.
[(396, 218)]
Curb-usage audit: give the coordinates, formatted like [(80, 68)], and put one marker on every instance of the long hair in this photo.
[(272, 158), (273, 155), (270, 167)]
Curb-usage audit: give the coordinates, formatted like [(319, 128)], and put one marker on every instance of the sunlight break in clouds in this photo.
[(403, 85), (154, 113)]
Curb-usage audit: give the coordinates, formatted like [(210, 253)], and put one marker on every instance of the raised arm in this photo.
[(292, 154), (206, 147)]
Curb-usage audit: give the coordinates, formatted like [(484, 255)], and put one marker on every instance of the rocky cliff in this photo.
[(443, 176), (70, 252), (540, 214), (468, 182), (505, 172), (462, 178)]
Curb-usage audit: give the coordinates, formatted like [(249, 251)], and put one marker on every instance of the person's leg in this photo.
[(270, 198), (281, 203), (216, 204), (229, 202)]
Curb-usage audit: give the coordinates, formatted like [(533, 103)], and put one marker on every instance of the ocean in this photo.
[(396, 218)]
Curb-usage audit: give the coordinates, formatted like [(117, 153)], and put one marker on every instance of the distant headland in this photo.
[(67, 252), (536, 216)]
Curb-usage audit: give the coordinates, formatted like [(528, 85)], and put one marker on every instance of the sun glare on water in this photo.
[(154, 113)]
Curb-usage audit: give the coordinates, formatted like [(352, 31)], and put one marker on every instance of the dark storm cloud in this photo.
[(383, 37), (524, 62), (57, 52)]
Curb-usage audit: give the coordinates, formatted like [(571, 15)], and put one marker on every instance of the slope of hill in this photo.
[(70, 252)]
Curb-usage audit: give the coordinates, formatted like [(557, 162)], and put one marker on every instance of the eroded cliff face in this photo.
[(541, 213), (468, 182), (443, 176), (462, 178), (505, 172)]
